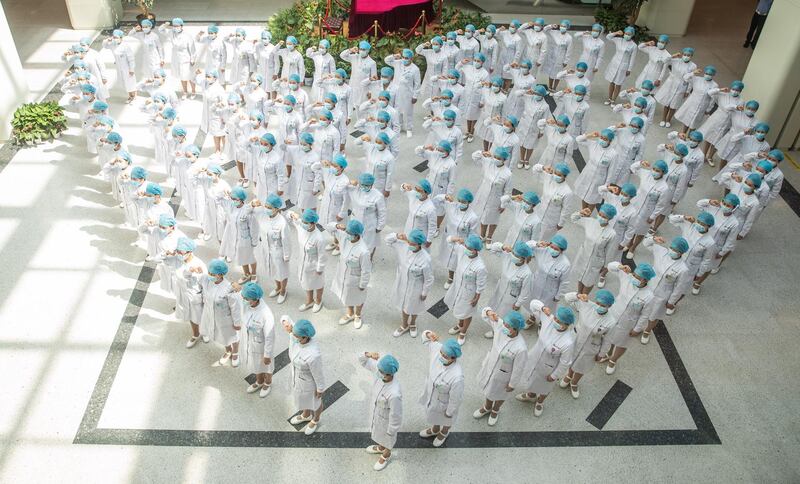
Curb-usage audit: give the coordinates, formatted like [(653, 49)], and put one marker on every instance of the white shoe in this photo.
[(381, 466), (206, 339), (265, 390), (519, 165), (245, 183), (400, 332), (435, 234), (281, 298), (447, 284), (662, 124), (489, 334), (305, 307), (710, 161), (645, 338), (335, 252), (454, 330), (224, 360), (607, 102), (253, 388), (538, 409), (601, 282), (192, 341), (121, 205), (426, 433), (413, 332), (667, 125), (695, 290), (330, 247), (715, 270), (470, 138), (298, 419), (461, 338), (310, 429), (480, 413), (527, 166), (316, 308), (345, 319), (243, 279), (409, 133), (192, 96), (439, 440), (523, 397), (373, 449), (357, 322), (206, 236), (183, 97), (574, 391), (235, 360), (148, 258), (611, 369), (273, 293), (670, 312), (253, 278), (563, 383), (629, 254), (492, 420)]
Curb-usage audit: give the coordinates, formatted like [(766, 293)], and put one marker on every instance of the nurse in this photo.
[(362, 67), (653, 199), (369, 207), (694, 109), (511, 49), (657, 56), (631, 310), (594, 324), (536, 108), (308, 378), (597, 170), (187, 286), (504, 364), (551, 277), (333, 207), (183, 54), (460, 222), (526, 221), (728, 101), (473, 75), (492, 100), (413, 279), (513, 289), (213, 95), (240, 237), (152, 49), (352, 271), (702, 246), (593, 49), (599, 245), (671, 282), (557, 198), (385, 405), (421, 210), (559, 50), (550, 357), (469, 282), (311, 269), (495, 183), (324, 64), (305, 173), (672, 92), (270, 168), (630, 144), (214, 190), (724, 231), (275, 249), (560, 143), (216, 50), (621, 64), (407, 82), (257, 338), (222, 311), (125, 62), (444, 387), (436, 62), (267, 62)]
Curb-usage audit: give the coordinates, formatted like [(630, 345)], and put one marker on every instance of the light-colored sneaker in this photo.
[(573, 390), (281, 298), (563, 383), (480, 413), (489, 334), (224, 359), (265, 390), (345, 319), (192, 341), (298, 419), (235, 360), (538, 409), (413, 332), (305, 307), (381, 463), (316, 308), (357, 322), (611, 368), (439, 440), (645, 338), (336, 251), (662, 123), (448, 283), (311, 427), (492, 419), (695, 290), (253, 388), (454, 330), (373, 449), (426, 433), (670, 311), (523, 397), (601, 282)]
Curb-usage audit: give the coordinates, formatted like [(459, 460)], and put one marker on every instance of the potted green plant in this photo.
[(36, 122)]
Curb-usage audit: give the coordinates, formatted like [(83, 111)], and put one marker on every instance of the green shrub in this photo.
[(613, 20), (34, 122)]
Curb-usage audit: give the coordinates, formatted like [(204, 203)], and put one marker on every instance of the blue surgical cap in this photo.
[(648, 84), (661, 166), (386, 95), (513, 120), (213, 73), (473, 242), (680, 244), (291, 40), (663, 38), (637, 121), (325, 43), (580, 89), (705, 218), (531, 197), (215, 168), (354, 227), (470, 28), (178, 131), (416, 236), (710, 70), (252, 291), (515, 23), (366, 179), (445, 145), (607, 134), (307, 138), (681, 149), (331, 97), (269, 138), (454, 73), (364, 45), (294, 78), (185, 244), (629, 30), (764, 165), (217, 266), (88, 88), (563, 119), (238, 193), (436, 40), (465, 195), (695, 135), (496, 81), (776, 154), (640, 102), (566, 23), (388, 365), (582, 66), (290, 98), (213, 29), (491, 28), (752, 104), (628, 189), (383, 138), (479, 56), (527, 63), (521, 249), (153, 189), (387, 72), (737, 85), (169, 113), (449, 114), (540, 90), (326, 113), (384, 116), (731, 200), (755, 179), (166, 220), (118, 33), (138, 173), (446, 93), (688, 51), (645, 271), (761, 127), (502, 152), (310, 216), (274, 201), (257, 114), (341, 73), (243, 33), (514, 318), (177, 21), (539, 21), (608, 210), (340, 160), (408, 53), (451, 348), (425, 185), (604, 297), (561, 168), (114, 137), (565, 315), (304, 329), (100, 106), (560, 241), (147, 23)]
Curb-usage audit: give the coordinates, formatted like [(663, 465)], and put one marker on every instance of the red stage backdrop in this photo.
[(391, 15)]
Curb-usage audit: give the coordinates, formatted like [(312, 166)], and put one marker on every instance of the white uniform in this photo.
[(495, 182), (716, 125), (656, 58), (413, 279), (214, 219), (524, 226), (213, 99), (334, 198), (240, 237), (652, 199), (469, 279), (535, 48), (275, 247), (153, 212), (183, 52), (216, 53), (436, 63), (473, 90), (694, 109), (308, 377), (125, 62), (490, 48), (702, 248), (221, 311), (385, 406), (624, 57), (559, 51), (407, 80), (556, 205), (270, 173), (515, 104), (671, 281), (550, 356), (576, 111), (444, 388), (504, 364), (511, 49), (596, 171), (268, 63), (630, 149), (632, 308), (168, 260), (257, 338), (442, 176), (592, 333), (500, 138), (671, 92), (352, 271), (513, 289), (528, 129), (324, 64), (369, 208), (598, 248), (421, 215), (292, 62), (457, 223), (560, 146), (626, 215), (380, 163), (305, 182), (188, 290), (724, 231), (361, 68), (152, 52), (491, 106), (311, 267), (551, 277), (592, 52)]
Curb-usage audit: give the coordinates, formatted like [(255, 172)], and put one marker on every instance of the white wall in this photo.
[(13, 87), (669, 17)]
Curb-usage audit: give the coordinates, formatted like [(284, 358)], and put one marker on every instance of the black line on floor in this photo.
[(791, 197), (331, 395), (604, 410), (438, 309)]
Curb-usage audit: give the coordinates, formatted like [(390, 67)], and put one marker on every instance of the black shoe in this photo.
[(746, 44)]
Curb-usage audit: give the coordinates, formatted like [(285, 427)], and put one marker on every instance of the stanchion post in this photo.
[(319, 22), (375, 28), (424, 23)]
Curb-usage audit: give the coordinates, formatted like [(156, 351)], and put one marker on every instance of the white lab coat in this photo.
[(671, 92), (596, 171), (557, 202), (268, 62), (257, 337), (536, 46), (324, 64), (498, 137), (152, 52), (631, 309), (716, 125), (168, 260), (551, 277), (504, 364), (702, 248), (495, 182), (656, 58), (515, 103), (305, 182), (275, 248), (652, 199), (592, 331), (671, 281), (308, 376), (694, 109), (270, 173), (444, 388), (626, 215), (125, 62), (385, 406), (361, 68), (438, 131), (513, 289), (647, 114), (472, 79), (311, 269), (723, 232), (630, 149), (407, 80), (216, 53), (622, 62), (577, 112), (491, 105), (559, 145), (240, 237), (740, 122), (469, 279), (369, 208), (459, 224), (421, 215), (559, 51), (524, 226), (153, 212), (188, 290), (490, 48), (528, 129), (749, 207), (442, 175), (243, 60), (413, 279), (592, 52), (598, 248), (183, 52), (214, 218), (353, 269), (380, 163), (436, 63), (511, 49), (550, 356), (221, 311), (214, 96), (334, 198)]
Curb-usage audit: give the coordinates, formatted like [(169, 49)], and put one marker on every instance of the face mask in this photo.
[(634, 129), (727, 210), (645, 92), (600, 309), (333, 171), (553, 252), (674, 254), (385, 80), (499, 162), (363, 54), (508, 129), (604, 143), (382, 125), (453, 42), (625, 200), (580, 74), (749, 113), (266, 149), (323, 50), (211, 278), (212, 36), (579, 98), (562, 129), (382, 104), (339, 81), (324, 122), (445, 102), (415, 248), (308, 226), (760, 136), (626, 37), (406, 62), (638, 110), (661, 45), (265, 41), (463, 206), (288, 109), (380, 146), (178, 29), (452, 82), (449, 122), (749, 190), (290, 46), (420, 196), (700, 228), (365, 188), (563, 30), (495, 88), (537, 28), (636, 282), (603, 221), (657, 175), (595, 34), (537, 98), (354, 238), (443, 360), (529, 208), (146, 30), (163, 232), (437, 47), (306, 148), (117, 41), (470, 253), (293, 86), (506, 331), (478, 65), (329, 106), (468, 35), (686, 58), (558, 178), (693, 144), (707, 77), (735, 93)]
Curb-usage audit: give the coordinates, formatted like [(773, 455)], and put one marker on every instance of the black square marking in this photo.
[(438, 309)]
